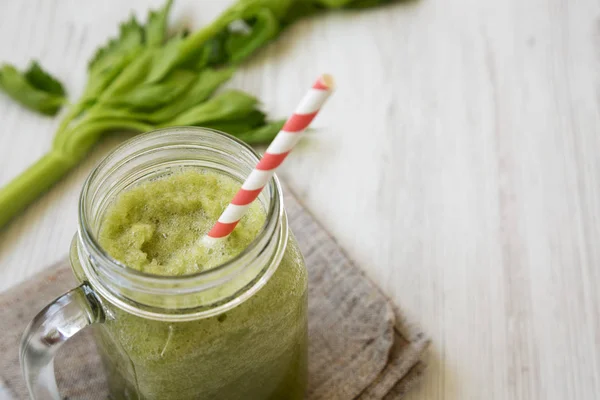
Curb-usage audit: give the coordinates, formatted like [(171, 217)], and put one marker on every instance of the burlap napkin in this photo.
[(360, 345)]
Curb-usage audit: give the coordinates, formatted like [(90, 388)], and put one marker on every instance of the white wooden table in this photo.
[(458, 163)]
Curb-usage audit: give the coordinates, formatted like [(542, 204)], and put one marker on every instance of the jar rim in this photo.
[(108, 269)]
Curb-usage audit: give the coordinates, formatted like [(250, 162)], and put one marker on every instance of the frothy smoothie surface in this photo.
[(157, 225)]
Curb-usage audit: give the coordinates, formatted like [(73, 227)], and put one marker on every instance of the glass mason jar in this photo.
[(237, 331)]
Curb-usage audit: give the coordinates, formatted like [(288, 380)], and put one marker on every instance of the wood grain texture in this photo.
[(458, 163)]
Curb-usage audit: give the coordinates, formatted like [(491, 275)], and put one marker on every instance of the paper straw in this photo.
[(277, 151)]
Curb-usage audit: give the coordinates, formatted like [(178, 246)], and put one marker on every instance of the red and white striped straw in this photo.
[(277, 151)]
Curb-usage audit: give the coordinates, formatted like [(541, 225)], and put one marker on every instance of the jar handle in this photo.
[(45, 334)]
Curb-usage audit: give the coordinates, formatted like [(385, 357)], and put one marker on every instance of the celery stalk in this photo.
[(145, 79)]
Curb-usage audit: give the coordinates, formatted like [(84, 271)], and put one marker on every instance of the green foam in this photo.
[(157, 226)]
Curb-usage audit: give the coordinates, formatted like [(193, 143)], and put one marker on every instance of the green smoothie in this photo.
[(257, 350)]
